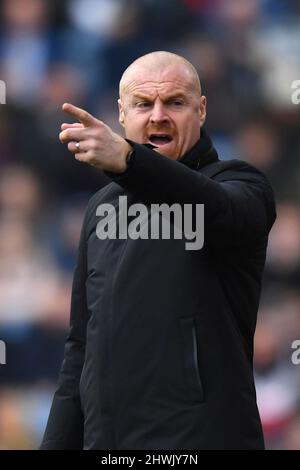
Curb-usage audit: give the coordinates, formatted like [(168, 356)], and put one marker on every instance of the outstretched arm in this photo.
[(239, 206)]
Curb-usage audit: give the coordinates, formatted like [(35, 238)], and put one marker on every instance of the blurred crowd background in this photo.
[(247, 53)]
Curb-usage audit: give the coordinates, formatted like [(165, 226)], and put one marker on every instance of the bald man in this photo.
[(160, 347)]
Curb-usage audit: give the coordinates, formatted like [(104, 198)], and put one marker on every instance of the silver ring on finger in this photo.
[(77, 145)]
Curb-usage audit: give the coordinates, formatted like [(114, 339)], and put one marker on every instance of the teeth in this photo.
[(160, 135), (160, 139)]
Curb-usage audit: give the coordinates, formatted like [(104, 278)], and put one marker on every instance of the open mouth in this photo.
[(159, 139)]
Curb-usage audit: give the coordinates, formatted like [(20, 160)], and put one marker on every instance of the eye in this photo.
[(143, 104), (176, 102)]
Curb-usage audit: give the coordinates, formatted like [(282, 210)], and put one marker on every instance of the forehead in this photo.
[(167, 80)]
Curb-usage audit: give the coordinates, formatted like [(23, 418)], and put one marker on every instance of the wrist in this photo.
[(124, 158)]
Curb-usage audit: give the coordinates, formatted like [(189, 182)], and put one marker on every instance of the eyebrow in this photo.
[(176, 96), (140, 96), (168, 97)]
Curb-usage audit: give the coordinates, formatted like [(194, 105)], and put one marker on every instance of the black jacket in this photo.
[(159, 353)]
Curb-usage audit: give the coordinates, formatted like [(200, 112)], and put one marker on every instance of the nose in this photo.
[(158, 113)]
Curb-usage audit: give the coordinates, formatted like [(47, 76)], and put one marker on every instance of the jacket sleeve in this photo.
[(65, 423), (238, 204)]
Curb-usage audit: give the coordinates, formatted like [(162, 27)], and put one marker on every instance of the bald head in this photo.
[(157, 63), (161, 103)]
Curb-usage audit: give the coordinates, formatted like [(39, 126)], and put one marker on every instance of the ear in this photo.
[(121, 112), (202, 110)]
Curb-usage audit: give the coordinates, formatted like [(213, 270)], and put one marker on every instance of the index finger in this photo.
[(67, 125), (80, 114)]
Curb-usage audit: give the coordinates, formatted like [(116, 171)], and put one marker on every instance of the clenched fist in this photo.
[(93, 142)]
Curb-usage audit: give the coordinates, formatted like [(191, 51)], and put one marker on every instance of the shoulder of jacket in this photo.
[(101, 195), (223, 170), (95, 200)]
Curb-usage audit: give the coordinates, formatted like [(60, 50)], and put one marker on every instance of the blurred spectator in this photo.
[(291, 438), (283, 261), (13, 432), (23, 203), (99, 17), (23, 415), (27, 44), (277, 378)]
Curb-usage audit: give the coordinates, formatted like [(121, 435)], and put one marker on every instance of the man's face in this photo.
[(162, 107)]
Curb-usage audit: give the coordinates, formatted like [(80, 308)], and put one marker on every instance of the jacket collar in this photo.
[(201, 154)]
